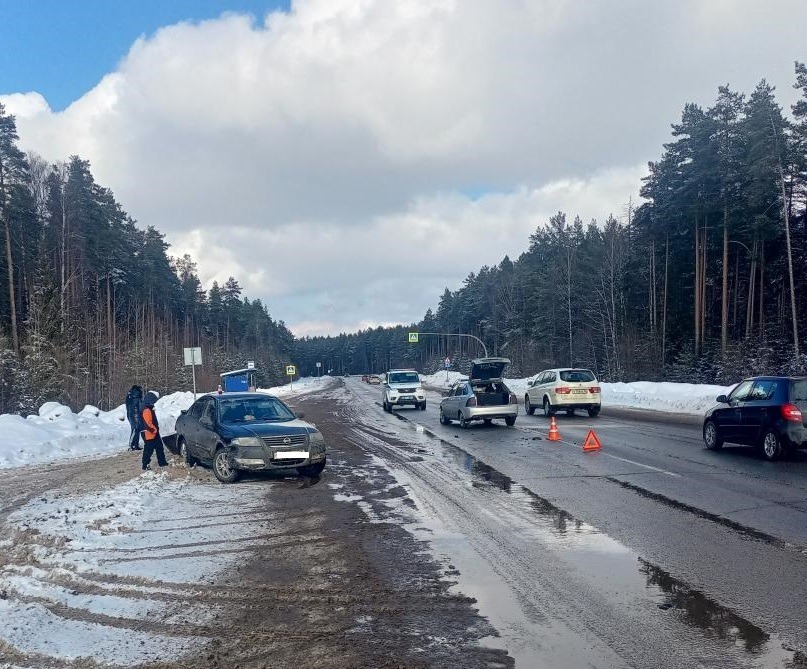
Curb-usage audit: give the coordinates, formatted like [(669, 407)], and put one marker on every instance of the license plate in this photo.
[(579, 391), (291, 455), (407, 397)]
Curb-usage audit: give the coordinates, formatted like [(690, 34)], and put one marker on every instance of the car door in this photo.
[(548, 387), (451, 402), (190, 425), (756, 410), (534, 391), (728, 417), (207, 436)]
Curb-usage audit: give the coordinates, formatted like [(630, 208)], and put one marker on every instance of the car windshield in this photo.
[(404, 377), (254, 410), (577, 376), (798, 391)]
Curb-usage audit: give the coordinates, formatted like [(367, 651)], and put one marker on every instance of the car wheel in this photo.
[(423, 405), (593, 412), (528, 408), (184, 454), (548, 410), (312, 470), (772, 446), (445, 420), (223, 467), (510, 421), (711, 436), (570, 412), (386, 406), (487, 421), (463, 423)]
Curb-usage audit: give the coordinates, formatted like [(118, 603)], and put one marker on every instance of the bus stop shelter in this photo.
[(238, 380)]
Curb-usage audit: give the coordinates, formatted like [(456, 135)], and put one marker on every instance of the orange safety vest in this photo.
[(148, 420)]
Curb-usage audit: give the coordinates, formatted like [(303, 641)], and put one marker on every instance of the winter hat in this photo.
[(151, 398)]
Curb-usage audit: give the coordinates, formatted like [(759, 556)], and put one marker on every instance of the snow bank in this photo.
[(57, 433), (308, 384)]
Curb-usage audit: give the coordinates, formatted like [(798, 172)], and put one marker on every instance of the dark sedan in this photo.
[(764, 411), (237, 432)]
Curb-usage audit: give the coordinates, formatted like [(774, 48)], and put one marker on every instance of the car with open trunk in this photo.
[(483, 396)]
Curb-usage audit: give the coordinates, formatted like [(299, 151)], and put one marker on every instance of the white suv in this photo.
[(402, 388), (563, 390)]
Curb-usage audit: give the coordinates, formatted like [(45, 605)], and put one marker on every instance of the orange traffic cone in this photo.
[(554, 435), (592, 443)]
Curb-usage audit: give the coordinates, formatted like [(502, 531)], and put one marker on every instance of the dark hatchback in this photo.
[(764, 411), (236, 432)]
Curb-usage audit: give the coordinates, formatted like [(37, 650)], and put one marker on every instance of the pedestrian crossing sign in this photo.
[(291, 370), (413, 337)]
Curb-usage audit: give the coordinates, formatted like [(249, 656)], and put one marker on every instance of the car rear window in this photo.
[(798, 391), (577, 376)]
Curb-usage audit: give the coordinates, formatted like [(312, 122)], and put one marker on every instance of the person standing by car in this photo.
[(152, 441), (134, 400)]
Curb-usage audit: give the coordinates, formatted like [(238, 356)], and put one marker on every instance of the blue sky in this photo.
[(62, 48)]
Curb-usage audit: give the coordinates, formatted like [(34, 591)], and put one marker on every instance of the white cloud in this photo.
[(320, 156)]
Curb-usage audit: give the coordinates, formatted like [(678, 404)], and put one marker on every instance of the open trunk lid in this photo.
[(488, 369)]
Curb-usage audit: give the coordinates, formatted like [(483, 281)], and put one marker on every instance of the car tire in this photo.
[(528, 408), (312, 470), (184, 453), (773, 446), (548, 410), (463, 423), (423, 405), (487, 421), (711, 436), (445, 420), (387, 407), (223, 468), (510, 421), (593, 412), (570, 412)]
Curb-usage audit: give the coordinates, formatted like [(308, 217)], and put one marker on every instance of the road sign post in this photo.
[(291, 370), (319, 369), (193, 357)]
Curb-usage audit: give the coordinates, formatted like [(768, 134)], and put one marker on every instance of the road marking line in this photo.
[(639, 464)]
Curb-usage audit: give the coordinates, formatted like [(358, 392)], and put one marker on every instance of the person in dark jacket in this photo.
[(152, 440), (134, 401)]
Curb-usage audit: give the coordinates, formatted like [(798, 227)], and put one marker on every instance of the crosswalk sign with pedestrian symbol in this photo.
[(413, 337), (291, 370)]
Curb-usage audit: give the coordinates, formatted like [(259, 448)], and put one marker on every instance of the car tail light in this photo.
[(594, 389), (791, 413), (513, 398), (471, 402), (563, 390)]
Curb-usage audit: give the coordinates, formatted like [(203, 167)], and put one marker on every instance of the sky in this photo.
[(347, 160)]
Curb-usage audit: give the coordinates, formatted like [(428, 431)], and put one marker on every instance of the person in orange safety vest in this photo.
[(152, 441)]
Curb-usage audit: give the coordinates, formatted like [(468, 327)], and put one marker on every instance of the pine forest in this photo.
[(700, 283)]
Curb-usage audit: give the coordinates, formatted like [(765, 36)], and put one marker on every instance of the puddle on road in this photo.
[(628, 573)]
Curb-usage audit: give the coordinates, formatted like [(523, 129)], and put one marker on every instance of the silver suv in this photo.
[(402, 387)]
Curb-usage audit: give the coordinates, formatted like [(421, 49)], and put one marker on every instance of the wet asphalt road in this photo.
[(717, 541)]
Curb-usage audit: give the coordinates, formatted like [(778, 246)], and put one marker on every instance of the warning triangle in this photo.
[(592, 443)]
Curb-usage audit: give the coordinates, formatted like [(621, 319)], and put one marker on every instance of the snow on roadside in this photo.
[(304, 386)]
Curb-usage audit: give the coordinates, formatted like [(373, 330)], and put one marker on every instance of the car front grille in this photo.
[(286, 440), (406, 390)]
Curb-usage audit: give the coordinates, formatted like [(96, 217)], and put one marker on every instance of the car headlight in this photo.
[(253, 442), (316, 442)]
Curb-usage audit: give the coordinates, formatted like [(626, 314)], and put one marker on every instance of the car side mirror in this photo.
[(722, 399), (299, 414), (183, 412)]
